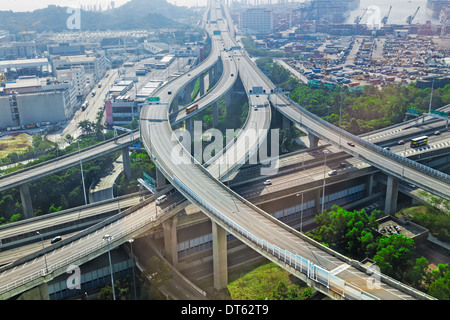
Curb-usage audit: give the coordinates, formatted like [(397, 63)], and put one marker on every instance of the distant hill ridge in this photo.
[(136, 14)]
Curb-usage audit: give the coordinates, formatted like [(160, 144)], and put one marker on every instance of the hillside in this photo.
[(136, 14)]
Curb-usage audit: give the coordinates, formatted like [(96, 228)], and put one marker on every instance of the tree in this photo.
[(394, 255), (350, 231), (69, 139), (440, 286), (418, 275), (87, 127)]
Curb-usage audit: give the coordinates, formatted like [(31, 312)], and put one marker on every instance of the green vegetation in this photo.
[(196, 89), (436, 221), (139, 162), (369, 110), (253, 50), (363, 111), (351, 233), (271, 282), (354, 234)]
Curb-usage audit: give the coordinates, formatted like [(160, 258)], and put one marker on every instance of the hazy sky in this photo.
[(30, 5), (400, 8)]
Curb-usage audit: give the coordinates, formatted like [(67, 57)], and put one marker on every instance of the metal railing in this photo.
[(293, 260), (375, 148), (118, 239)]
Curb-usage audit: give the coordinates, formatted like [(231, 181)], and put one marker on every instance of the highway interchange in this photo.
[(209, 194)]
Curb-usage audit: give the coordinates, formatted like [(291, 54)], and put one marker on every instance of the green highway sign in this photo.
[(439, 113), (153, 99), (412, 111), (149, 179)]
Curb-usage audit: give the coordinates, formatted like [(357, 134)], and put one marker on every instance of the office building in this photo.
[(257, 21)]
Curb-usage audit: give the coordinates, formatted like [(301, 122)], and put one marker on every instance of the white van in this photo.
[(161, 199)]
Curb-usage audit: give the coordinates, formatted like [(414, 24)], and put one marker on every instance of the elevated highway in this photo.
[(290, 249), (328, 271)]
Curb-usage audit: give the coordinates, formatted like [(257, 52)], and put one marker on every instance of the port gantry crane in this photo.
[(410, 19), (386, 17), (358, 18)]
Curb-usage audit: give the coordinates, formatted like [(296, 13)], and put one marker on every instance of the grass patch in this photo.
[(263, 282), (14, 144), (437, 222)]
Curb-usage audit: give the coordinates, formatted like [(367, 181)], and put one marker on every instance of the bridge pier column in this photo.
[(313, 141), (317, 206), (27, 205), (286, 123), (390, 206), (170, 240), (37, 293), (211, 77), (215, 114), (126, 162), (202, 84), (220, 264), (189, 126), (369, 185), (160, 179), (228, 98)]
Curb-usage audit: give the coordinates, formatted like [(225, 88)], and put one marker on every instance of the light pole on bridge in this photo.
[(108, 238)]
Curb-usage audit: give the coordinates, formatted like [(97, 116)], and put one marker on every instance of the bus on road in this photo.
[(420, 141), (191, 108)]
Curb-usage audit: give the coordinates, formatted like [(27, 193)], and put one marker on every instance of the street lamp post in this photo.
[(301, 212), (45, 255), (108, 238), (132, 259), (82, 176), (323, 188)]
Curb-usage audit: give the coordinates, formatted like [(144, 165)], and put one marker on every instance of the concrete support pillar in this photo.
[(313, 141), (211, 77), (202, 85), (37, 293), (160, 179), (317, 194), (219, 256), (27, 205), (228, 98), (390, 206), (215, 114), (189, 126), (286, 123), (369, 185), (170, 240), (188, 94), (175, 104), (126, 162)]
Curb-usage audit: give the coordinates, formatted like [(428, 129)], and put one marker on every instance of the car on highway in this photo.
[(56, 239), (267, 182), (436, 133), (232, 75), (351, 144), (169, 92), (387, 148), (332, 173), (342, 165), (401, 142)]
